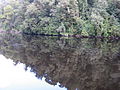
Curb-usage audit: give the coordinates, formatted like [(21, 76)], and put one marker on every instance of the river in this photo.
[(58, 63)]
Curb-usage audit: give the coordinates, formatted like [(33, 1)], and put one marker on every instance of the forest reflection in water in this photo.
[(82, 64), (14, 77)]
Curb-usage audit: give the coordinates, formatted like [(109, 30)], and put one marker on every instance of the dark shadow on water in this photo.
[(85, 64)]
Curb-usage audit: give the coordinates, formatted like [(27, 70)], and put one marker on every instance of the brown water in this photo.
[(76, 64)]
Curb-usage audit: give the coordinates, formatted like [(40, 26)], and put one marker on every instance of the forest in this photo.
[(61, 59), (61, 17)]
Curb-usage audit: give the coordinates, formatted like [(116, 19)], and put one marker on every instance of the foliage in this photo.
[(83, 17)]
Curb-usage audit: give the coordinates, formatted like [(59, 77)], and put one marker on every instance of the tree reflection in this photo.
[(77, 64)]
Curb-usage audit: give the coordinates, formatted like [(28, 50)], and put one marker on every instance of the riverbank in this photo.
[(76, 36), (59, 35)]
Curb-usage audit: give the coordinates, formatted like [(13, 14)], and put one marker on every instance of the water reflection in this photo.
[(77, 64), (16, 78)]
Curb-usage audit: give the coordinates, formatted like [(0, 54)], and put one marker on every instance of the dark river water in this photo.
[(58, 63)]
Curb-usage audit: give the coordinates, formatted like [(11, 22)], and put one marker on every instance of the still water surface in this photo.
[(57, 63), (16, 78)]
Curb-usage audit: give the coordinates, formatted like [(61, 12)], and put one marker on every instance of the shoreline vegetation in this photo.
[(68, 18), (62, 35)]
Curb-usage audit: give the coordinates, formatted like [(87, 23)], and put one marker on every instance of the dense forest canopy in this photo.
[(67, 17)]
